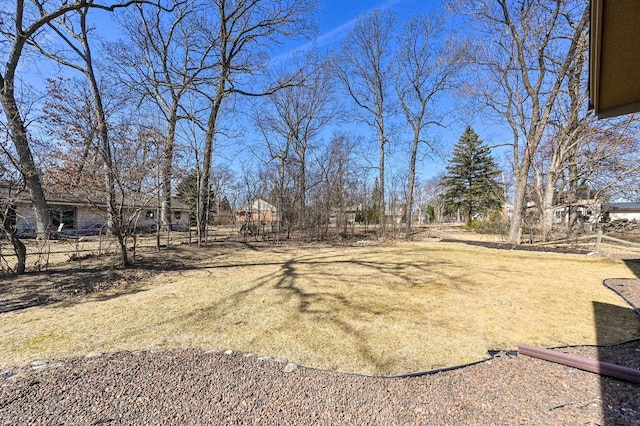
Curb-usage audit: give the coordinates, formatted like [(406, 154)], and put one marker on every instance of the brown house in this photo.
[(258, 211)]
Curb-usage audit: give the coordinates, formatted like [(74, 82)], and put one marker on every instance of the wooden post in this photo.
[(599, 240)]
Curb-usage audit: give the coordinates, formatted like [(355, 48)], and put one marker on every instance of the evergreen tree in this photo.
[(187, 192), (371, 212), (471, 183), (187, 189)]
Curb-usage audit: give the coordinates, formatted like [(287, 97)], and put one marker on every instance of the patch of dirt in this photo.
[(521, 247), (73, 281), (92, 274)]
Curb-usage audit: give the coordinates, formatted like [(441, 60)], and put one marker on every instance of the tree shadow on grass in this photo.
[(294, 282), (72, 282), (312, 303), (70, 285), (309, 304)]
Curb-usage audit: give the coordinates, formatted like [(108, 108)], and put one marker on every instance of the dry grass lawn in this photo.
[(376, 310)]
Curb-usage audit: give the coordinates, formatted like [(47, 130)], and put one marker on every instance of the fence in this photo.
[(55, 252)]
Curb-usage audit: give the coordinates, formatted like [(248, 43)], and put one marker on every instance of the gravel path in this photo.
[(196, 387)]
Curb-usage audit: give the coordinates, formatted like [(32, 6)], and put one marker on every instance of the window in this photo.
[(149, 214), (68, 218), (64, 217), (177, 215)]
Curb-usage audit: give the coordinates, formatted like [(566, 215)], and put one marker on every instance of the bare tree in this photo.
[(221, 182), (160, 61), (278, 140), (74, 162), (26, 22), (602, 163), (569, 126), (290, 119), (364, 66), (396, 194), (11, 186), (572, 162), (428, 63), (528, 52), (243, 33), (336, 177), (609, 162), (73, 31), (433, 193)]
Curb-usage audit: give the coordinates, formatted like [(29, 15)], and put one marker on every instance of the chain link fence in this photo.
[(53, 253), (58, 253)]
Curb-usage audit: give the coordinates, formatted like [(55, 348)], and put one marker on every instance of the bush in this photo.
[(370, 215), (493, 224)]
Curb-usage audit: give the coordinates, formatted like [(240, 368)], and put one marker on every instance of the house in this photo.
[(614, 63), (585, 206), (588, 211), (350, 214), (395, 214), (80, 214), (257, 211), (620, 211)]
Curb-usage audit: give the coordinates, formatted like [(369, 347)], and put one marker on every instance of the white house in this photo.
[(78, 213), (588, 212), (621, 211)]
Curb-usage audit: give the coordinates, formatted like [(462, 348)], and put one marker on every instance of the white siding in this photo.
[(624, 215)]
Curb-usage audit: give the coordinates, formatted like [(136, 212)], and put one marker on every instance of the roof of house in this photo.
[(79, 199), (621, 207), (257, 205)]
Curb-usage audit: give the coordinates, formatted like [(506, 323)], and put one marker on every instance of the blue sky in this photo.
[(336, 17), (335, 20)]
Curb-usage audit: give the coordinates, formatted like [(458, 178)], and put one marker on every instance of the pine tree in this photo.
[(471, 183), (187, 192)]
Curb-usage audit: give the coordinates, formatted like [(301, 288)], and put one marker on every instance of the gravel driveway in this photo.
[(196, 387)]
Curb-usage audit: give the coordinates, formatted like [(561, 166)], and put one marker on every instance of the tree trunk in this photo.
[(18, 246), (518, 203), (27, 165), (547, 208), (209, 138), (381, 199), (412, 178), (342, 201), (281, 192), (114, 217), (303, 188), (21, 253), (167, 175), (113, 212)]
